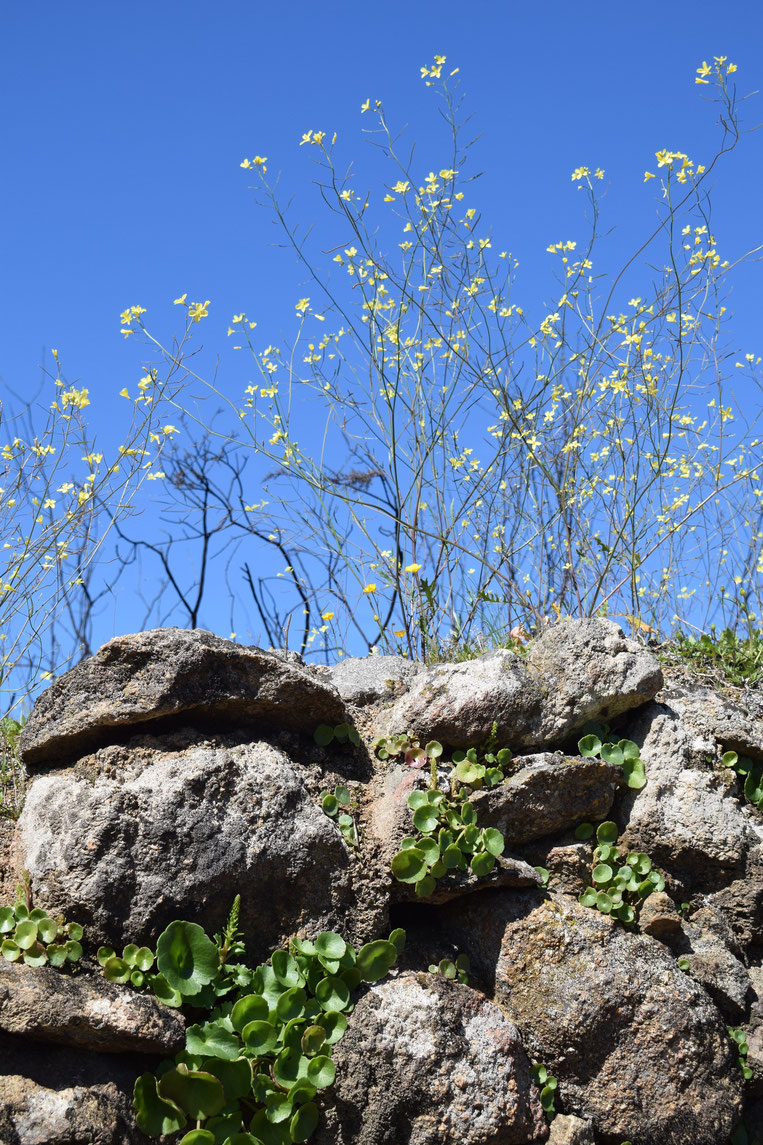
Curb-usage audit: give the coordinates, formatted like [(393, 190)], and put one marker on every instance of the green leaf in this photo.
[(397, 938), (433, 749), (611, 753), (584, 831), (291, 1004), (332, 993), (588, 897), (117, 970), (482, 863), (260, 1037), (426, 887), (468, 772), (268, 1133), (425, 819), (47, 930), (417, 799), (375, 959), (36, 955), (323, 735), (544, 875), (286, 969), (198, 1094), (334, 1023), (104, 953), (589, 746), (313, 1040), (452, 857), (330, 945), (213, 1039), (155, 1115), (289, 1066), (635, 774), (10, 951), (144, 959), (56, 955), (607, 832), (7, 920), (198, 1137), (304, 1122), (629, 749), (186, 957), (250, 1008), (321, 1071), (603, 902), (729, 758), (164, 992), (493, 840), (343, 796), (329, 804), (429, 849), (409, 866), (602, 873), (26, 934)]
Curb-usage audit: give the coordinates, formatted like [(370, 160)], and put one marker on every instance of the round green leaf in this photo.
[(286, 969), (588, 897), (375, 959), (429, 849), (56, 955), (164, 992), (584, 831), (602, 873), (117, 970), (611, 753), (329, 804), (278, 1107), (417, 799), (635, 774), (10, 951), (482, 863), (334, 1023), (603, 902), (425, 819), (138, 979), (629, 749), (74, 931), (36, 955), (250, 1008), (47, 930), (589, 746), (321, 1071), (468, 772), (409, 866), (186, 957), (330, 945), (213, 1039), (291, 1004), (304, 1122), (433, 749), (452, 857), (729, 758), (544, 875), (313, 1040), (104, 953), (332, 993), (7, 920), (144, 959), (493, 840), (426, 887), (198, 1094), (260, 1037), (198, 1137), (26, 934), (323, 735), (607, 832), (290, 1066), (266, 1132)]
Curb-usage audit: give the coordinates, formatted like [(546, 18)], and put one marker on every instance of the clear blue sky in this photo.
[(125, 125)]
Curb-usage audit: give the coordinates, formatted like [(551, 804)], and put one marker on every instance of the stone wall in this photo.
[(174, 770)]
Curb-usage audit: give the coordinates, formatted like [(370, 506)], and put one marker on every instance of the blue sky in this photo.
[(125, 126)]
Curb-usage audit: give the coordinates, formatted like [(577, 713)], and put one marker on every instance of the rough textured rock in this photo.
[(45, 1005), (549, 793), (164, 674), (373, 679), (687, 820), (741, 902), (588, 670), (637, 1046), (709, 947), (717, 721), (578, 671), (659, 918), (134, 838), (430, 1062), (63, 1096), (570, 1130)]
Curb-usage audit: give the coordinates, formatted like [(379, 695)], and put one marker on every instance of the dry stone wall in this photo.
[(174, 770)]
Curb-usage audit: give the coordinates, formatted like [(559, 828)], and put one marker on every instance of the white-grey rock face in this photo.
[(373, 679), (141, 836), (431, 1062), (579, 671)]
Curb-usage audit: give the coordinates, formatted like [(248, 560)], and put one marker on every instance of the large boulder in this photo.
[(373, 679), (637, 1046), (173, 827), (578, 671), (171, 674), (431, 1062)]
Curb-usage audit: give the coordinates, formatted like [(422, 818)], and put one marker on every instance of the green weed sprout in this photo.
[(33, 937), (457, 970), (325, 734), (340, 806), (548, 1084), (739, 1039), (624, 753), (751, 773), (620, 882)]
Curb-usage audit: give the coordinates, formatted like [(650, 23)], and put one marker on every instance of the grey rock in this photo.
[(137, 836), (568, 863), (166, 674), (588, 670), (66, 1096), (714, 960), (549, 793), (637, 1046), (685, 819), (430, 1062), (741, 901), (570, 1130), (659, 918), (577, 671), (45, 1005), (373, 679), (717, 721)]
